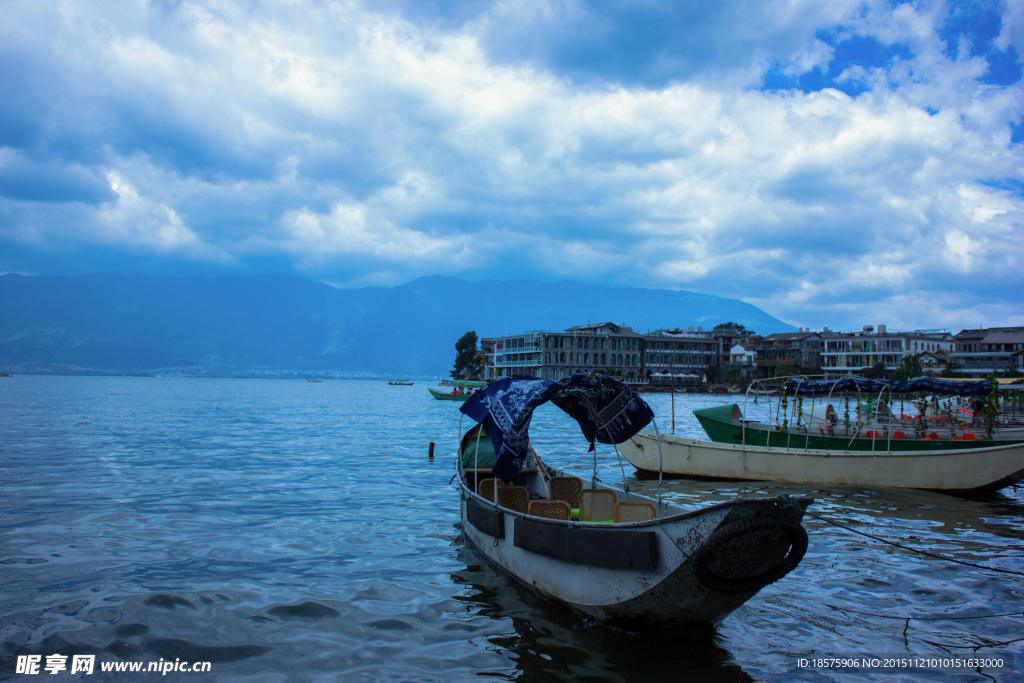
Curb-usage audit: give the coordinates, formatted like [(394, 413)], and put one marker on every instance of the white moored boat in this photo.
[(812, 447), (974, 470), (611, 555)]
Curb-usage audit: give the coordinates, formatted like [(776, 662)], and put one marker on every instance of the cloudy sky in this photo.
[(836, 162)]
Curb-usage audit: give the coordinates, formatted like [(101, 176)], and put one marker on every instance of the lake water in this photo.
[(296, 531)]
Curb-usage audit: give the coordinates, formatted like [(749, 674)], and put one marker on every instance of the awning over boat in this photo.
[(928, 385), (607, 411)]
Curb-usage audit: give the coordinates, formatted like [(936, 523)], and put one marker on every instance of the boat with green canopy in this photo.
[(868, 446), (872, 422), (459, 393)]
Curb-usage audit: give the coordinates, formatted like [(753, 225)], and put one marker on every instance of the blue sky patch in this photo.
[(980, 24), (1011, 184), (863, 51)]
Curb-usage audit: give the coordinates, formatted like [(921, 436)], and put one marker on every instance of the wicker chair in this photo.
[(634, 511), (597, 505), (567, 489), (516, 498), (552, 509), (486, 488)]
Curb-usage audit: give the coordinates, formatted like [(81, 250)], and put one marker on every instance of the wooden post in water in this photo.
[(673, 409), (431, 451)]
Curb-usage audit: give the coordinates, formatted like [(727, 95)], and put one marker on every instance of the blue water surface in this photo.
[(287, 530)]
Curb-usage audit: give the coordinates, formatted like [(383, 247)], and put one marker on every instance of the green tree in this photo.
[(735, 376), (711, 373), (783, 370), (909, 367), (876, 371), (467, 363), (735, 327)]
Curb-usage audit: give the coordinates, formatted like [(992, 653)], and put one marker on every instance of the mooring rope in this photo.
[(912, 549), (896, 616)]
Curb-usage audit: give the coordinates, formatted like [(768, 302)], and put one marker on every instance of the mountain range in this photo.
[(122, 323)]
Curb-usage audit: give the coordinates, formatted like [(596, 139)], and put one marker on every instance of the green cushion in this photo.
[(484, 459)]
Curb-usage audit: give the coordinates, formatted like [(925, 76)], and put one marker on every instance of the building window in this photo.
[(547, 357), (563, 357), (579, 358), (603, 361)]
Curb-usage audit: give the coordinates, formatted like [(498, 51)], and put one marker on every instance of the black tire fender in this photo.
[(701, 557)]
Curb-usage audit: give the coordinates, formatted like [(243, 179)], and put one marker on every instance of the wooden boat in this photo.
[(459, 393), (400, 383), (991, 466), (445, 396), (628, 560), (725, 424)]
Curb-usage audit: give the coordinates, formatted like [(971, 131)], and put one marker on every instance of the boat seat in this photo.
[(566, 489), (899, 435), (633, 511), (597, 505), (515, 498), (552, 509), (932, 437), (486, 487)]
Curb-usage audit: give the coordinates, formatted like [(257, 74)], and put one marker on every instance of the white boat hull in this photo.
[(971, 470), (664, 594)]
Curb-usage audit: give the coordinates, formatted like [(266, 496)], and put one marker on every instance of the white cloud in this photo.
[(365, 147)]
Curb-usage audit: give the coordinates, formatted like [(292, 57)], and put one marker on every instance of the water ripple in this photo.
[(293, 531)]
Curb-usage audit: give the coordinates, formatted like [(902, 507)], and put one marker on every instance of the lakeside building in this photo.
[(681, 357), (607, 348), (852, 353), (987, 351), (800, 350), (673, 356), (742, 356)]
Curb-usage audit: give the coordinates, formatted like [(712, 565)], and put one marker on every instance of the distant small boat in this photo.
[(314, 380), (401, 383), (445, 396)]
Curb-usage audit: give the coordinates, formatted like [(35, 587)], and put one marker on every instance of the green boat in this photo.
[(725, 424), (443, 396), (464, 383)]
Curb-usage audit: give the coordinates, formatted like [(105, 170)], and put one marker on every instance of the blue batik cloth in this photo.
[(606, 410)]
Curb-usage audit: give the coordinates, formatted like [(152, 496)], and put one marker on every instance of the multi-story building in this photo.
[(610, 349), (987, 351), (741, 357), (851, 353), (800, 350), (607, 348), (674, 354), (726, 340)]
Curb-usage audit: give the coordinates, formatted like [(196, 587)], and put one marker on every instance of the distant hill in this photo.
[(115, 322)]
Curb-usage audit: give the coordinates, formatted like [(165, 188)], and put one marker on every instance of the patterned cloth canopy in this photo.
[(606, 410), (930, 385)]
